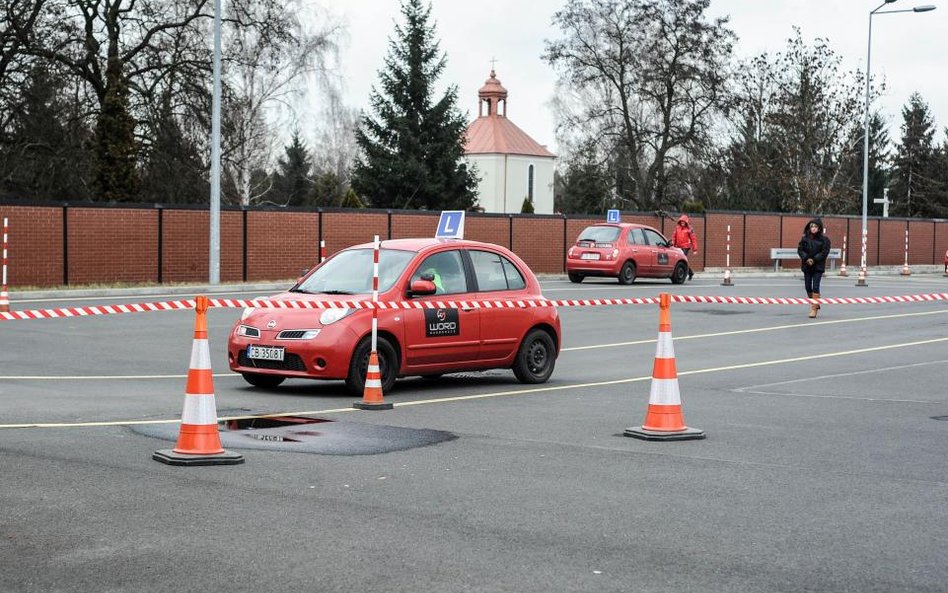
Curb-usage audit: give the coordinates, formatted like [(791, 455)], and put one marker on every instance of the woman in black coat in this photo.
[(813, 250)]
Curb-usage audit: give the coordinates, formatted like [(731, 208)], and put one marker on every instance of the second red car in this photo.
[(625, 251)]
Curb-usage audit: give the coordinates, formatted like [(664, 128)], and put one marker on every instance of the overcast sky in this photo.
[(908, 49)]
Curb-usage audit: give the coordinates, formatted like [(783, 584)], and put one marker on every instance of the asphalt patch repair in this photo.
[(302, 434)]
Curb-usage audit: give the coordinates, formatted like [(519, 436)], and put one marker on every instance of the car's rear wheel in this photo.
[(627, 273), (261, 380), (535, 358), (575, 277), (359, 365), (679, 273)]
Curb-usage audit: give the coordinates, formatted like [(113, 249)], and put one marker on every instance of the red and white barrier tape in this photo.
[(496, 304), (96, 310)]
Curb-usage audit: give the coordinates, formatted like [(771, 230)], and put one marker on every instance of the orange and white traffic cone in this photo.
[(4, 300), (199, 442), (372, 398), (664, 420)]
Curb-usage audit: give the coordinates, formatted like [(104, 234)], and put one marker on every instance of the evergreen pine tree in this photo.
[(911, 192), (412, 147), (116, 148), (293, 185)]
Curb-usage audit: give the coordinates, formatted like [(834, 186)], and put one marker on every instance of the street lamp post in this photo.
[(861, 281)]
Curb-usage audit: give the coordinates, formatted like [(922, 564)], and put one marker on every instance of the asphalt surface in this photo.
[(825, 467)]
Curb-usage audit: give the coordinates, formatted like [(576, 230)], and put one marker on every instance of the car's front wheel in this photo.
[(359, 365), (575, 277), (679, 273), (627, 273), (261, 380), (535, 358)]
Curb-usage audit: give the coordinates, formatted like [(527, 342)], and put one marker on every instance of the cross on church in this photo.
[(493, 62)]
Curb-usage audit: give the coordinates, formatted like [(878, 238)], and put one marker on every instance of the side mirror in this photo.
[(422, 287)]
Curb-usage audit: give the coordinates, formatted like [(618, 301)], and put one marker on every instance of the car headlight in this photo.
[(248, 331), (330, 316)]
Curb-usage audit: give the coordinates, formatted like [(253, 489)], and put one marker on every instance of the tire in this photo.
[(627, 273), (575, 277), (261, 380), (679, 273), (388, 365), (535, 358)]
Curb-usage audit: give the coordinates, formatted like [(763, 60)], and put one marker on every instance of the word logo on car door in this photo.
[(441, 322)]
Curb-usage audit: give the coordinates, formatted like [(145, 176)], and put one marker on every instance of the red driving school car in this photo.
[(268, 345), (625, 251)]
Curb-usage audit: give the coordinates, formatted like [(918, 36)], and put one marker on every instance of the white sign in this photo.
[(451, 225), (613, 216)]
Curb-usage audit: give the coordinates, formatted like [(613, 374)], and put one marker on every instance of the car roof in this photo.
[(424, 243), (624, 225)]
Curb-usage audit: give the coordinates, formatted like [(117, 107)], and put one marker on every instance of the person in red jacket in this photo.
[(685, 239)]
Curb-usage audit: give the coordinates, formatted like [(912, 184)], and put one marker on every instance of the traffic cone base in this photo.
[(171, 457), (645, 434), (727, 279), (361, 405), (372, 398)]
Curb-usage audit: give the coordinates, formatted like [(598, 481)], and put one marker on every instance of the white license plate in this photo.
[(265, 352), (589, 256)]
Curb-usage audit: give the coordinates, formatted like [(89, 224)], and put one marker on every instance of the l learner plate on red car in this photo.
[(265, 352), (589, 256)]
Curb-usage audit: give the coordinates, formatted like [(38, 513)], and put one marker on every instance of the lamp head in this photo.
[(925, 8)]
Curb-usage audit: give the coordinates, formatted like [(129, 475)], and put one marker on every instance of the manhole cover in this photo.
[(309, 435)]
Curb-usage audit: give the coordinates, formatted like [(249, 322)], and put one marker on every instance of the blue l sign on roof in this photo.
[(451, 225), (613, 216)]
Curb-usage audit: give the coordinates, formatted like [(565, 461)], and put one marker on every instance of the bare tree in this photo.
[(647, 76), (798, 118), (269, 58), (335, 149)]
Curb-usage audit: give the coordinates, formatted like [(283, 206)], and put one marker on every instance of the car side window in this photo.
[(446, 269), (636, 237), (654, 238), (495, 272)]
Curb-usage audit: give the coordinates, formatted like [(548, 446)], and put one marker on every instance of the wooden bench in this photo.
[(779, 253)]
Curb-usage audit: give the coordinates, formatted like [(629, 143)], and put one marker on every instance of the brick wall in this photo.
[(114, 245), (34, 245), (108, 244)]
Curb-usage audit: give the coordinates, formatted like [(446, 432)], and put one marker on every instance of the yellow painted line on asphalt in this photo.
[(545, 389)]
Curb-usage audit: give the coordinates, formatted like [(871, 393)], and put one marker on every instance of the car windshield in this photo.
[(600, 234), (350, 272)]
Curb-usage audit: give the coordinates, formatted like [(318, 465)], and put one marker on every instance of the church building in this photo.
[(511, 165)]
